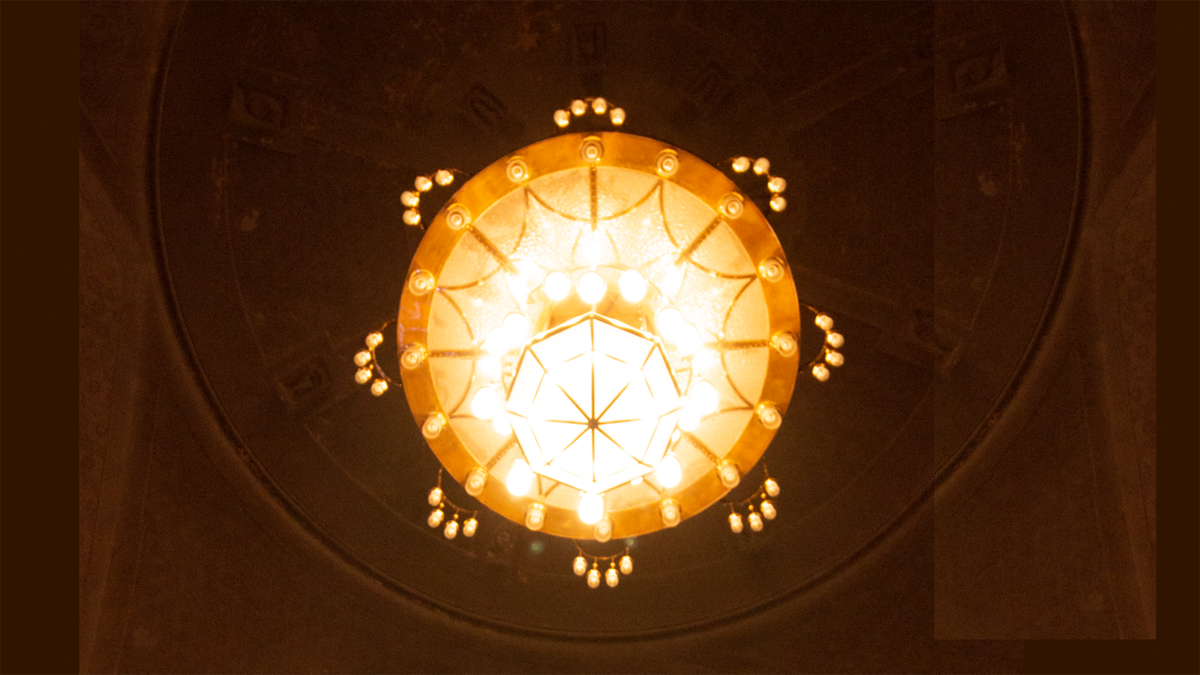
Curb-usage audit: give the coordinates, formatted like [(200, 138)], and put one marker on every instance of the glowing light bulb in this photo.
[(535, 516), (669, 472), (593, 578), (444, 177), (703, 396), (689, 419), (755, 521), (520, 478), (475, 482), (501, 424), (784, 343), (672, 281), (485, 403), (410, 198), (778, 203), (824, 321), (591, 507), (432, 428), (579, 566), (668, 321), (451, 530), (435, 518), (591, 288), (469, 527), (617, 115), (362, 358), (768, 510), (687, 338), (488, 367), (771, 487), (741, 164), (458, 217), (761, 166), (835, 340), (612, 578), (820, 372), (435, 496), (633, 285), (769, 415), (729, 474), (423, 183), (834, 359), (668, 509), (578, 107), (496, 341), (363, 375), (603, 530), (379, 387), (413, 357), (599, 106), (735, 522), (557, 286), (626, 564), (516, 328), (374, 339), (776, 184), (562, 118)]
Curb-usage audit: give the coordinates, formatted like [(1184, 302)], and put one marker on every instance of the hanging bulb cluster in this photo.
[(580, 106), (437, 499), (828, 356), (587, 565), (368, 368), (412, 198), (765, 507), (762, 167)]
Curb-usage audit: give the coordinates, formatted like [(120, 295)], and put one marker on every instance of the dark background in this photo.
[(973, 196)]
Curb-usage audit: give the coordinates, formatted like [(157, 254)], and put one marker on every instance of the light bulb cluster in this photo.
[(765, 507), (437, 518), (412, 198), (828, 356), (762, 167), (588, 566), (369, 370), (581, 106)]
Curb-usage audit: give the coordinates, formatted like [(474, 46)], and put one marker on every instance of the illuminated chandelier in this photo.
[(598, 336)]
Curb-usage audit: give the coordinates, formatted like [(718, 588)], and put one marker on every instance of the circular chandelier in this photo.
[(599, 337)]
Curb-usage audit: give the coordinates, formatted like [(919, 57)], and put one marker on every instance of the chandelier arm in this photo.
[(425, 183), (762, 167), (596, 105)]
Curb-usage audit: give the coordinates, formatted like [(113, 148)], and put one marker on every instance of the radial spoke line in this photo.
[(699, 239), (611, 403), (491, 248)]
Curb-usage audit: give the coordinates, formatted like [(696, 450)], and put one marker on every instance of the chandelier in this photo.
[(598, 337)]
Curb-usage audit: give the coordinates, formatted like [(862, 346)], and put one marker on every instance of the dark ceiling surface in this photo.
[(933, 156)]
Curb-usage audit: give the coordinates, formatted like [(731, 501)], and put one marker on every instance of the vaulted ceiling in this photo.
[(960, 187)]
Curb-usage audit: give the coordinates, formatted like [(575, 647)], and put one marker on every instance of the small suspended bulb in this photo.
[(741, 164), (435, 496), (557, 286), (485, 403), (778, 203), (735, 522), (444, 177), (668, 321), (436, 517), (626, 564), (687, 338), (617, 115), (363, 375), (776, 184), (516, 328), (824, 322), (579, 566), (379, 387), (593, 578), (410, 198), (761, 166), (689, 419), (374, 339), (771, 487), (756, 523), (704, 396), (578, 107), (451, 530), (820, 372), (599, 106), (612, 578), (591, 288), (362, 358), (669, 472), (520, 478), (768, 510), (591, 507), (834, 358), (423, 183), (562, 118), (469, 527), (835, 340), (633, 285)]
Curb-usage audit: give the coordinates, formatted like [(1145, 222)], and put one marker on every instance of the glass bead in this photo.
[(363, 375), (626, 565), (735, 523), (617, 115), (771, 487), (612, 578), (379, 387), (579, 566), (435, 496), (562, 118), (469, 527), (444, 177), (741, 164), (762, 166), (436, 517)]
